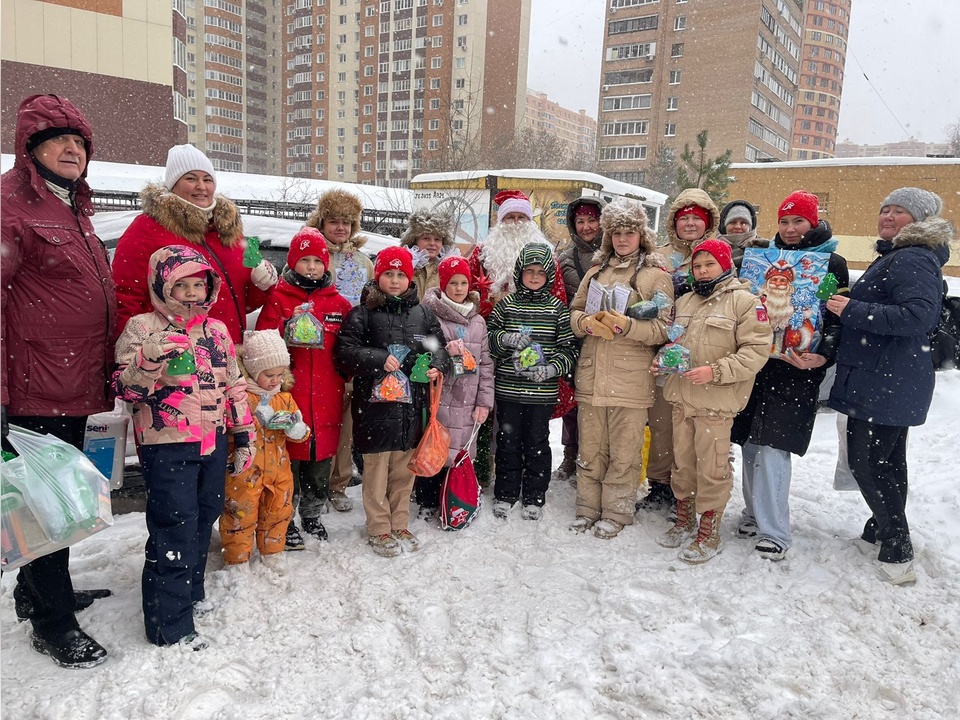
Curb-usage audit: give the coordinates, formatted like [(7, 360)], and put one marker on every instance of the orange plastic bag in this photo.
[(434, 448)]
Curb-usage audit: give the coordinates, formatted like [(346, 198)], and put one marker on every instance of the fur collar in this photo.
[(188, 221), (374, 297), (351, 245), (929, 233)]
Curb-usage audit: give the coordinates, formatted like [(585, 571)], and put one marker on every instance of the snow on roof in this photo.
[(846, 162), (122, 177), (611, 186)]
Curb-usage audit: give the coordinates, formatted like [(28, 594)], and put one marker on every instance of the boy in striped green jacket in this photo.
[(528, 317)]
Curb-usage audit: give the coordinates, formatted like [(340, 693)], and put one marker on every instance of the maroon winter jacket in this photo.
[(58, 303)]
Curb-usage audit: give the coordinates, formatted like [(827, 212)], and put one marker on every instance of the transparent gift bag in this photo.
[(530, 356), (465, 363), (395, 386), (53, 496), (673, 357), (304, 329)]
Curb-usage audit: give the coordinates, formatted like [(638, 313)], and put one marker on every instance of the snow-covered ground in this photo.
[(527, 620)]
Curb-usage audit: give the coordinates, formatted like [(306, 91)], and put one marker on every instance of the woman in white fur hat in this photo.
[(186, 210)]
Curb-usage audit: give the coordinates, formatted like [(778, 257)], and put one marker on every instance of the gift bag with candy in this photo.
[(464, 363), (304, 329), (530, 356), (395, 386), (672, 357)]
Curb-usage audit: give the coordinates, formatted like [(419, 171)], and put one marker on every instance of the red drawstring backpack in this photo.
[(460, 496)]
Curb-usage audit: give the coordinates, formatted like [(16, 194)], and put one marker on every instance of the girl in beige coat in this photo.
[(613, 386)]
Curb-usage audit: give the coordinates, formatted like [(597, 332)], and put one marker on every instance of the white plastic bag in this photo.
[(842, 478), (52, 497)]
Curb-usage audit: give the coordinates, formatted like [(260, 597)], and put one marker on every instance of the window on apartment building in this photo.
[(436, 63), (670, 130), (627, 102), (437, 20), (676, 50), (673, 103), (680, 22), (433, 144), (461, 19), (460, 83), (675, 77), (368, 71), (434, 83), (462, 42), (460, 63), (369, 31), (435, 104), (434, 125)]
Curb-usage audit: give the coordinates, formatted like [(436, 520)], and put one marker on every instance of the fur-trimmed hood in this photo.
[(692, 196), (285, 384), (629, 214), (188, 221), (427, 221), (933, 233), (579, 242), (338, 204)]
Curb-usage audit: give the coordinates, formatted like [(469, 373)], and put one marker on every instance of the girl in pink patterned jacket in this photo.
[(178, 367)]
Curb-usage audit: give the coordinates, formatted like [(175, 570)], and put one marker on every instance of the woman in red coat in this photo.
[(304, 298), (184, 210)]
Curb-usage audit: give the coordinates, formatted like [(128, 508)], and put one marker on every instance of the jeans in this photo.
[(766, 492)]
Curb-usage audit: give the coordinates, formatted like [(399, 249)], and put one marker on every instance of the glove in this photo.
[(515, 340), (264, 275), (592, 325), (617, 322), (299, 429), (540, 373), (455, 347), (264, 412), (160, 347), (4, 428), (241, 460)]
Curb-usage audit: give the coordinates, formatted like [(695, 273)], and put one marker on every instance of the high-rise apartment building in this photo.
[(232, 68), (110, 58), (377, 91), (826, 26), (902, 148), (672, 68), (576, 129)]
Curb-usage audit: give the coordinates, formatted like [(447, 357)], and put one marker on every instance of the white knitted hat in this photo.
[(181, 159), (264, 350)]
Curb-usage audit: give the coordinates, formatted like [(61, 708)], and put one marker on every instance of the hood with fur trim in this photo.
[(188, 221), (692, 196), (425, 221), (630, 214), (934, 233), (582, 246), (285, 384), (338, 204)]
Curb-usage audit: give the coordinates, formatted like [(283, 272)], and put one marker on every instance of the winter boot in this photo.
[(313, 526), (340, 501), (501, 508), (532, 512), (707, 542), (582, 524), (607, 529), (659, 498), (82, 599), (385, 545), (568, 466), (294, 538), (73, 649), (685, 524), (408, 541)]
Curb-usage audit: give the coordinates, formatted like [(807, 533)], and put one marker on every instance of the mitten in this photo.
[(514, 340), (540, 373), (299, 429), (160, 347), (618, 322), (592, 325), (264, 412), (241, 460), (264, 275)]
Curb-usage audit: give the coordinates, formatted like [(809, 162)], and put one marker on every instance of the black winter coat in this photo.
[(783, 405), (361, 351)]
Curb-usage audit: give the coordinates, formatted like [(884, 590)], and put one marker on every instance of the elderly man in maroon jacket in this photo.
[(57, 314)]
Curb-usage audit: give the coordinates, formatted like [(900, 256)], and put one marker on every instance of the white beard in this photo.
[(500, 251), (779, 304)]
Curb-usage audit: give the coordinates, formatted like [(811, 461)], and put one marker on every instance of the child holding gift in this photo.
[(388, 426), (308, 310), (259, 501), (726, 331), (178, 367)]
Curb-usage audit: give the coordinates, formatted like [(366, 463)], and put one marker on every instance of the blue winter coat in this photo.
[(884, 370)]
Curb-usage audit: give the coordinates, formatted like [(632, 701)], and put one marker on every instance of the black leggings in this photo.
[(878, 461)]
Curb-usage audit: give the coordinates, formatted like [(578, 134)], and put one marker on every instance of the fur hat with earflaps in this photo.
[(337, 204), (428, 222)]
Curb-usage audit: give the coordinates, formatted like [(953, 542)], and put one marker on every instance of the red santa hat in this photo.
[(781, 268), (308, 241), (509, 201), (394, 258), (802, 203), (451, 266)]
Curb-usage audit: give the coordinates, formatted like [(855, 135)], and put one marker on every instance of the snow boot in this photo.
[(770, 550), (385, 545), (294, 538), (532, 512), (707, 542), (313, 526), (501, 508), (408, 541), (685, 524), (340, 501), (82, 599), (747, 528), (582, 524), (659, 498), (897, 573), (567, 469), (73, 649), (194, 641), (607, 529)]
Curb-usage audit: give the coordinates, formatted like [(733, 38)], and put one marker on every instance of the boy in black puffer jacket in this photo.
[(388, 432)]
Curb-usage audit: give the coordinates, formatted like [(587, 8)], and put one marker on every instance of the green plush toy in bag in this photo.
[(304, 329)]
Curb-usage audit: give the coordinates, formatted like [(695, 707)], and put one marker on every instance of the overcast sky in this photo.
[(908, 49)]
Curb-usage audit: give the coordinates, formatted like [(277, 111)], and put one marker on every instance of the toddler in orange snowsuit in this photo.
[(259, 502)]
